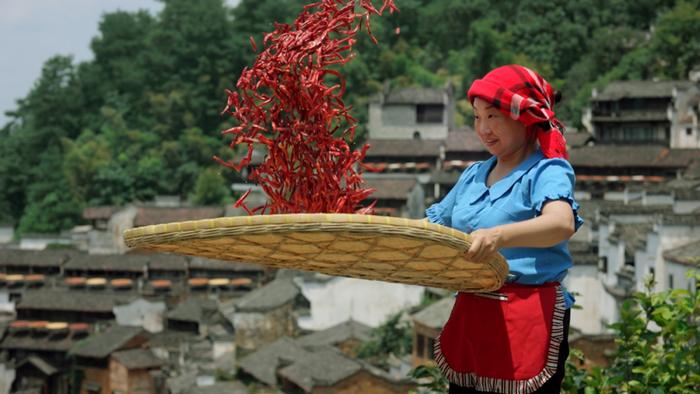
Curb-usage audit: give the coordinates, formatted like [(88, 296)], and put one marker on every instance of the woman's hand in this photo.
[(484, 243)]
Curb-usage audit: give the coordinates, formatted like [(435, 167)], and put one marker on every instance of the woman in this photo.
[(519, 202)]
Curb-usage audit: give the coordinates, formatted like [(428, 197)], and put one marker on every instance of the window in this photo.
[(420, 345), (689, 131), (429, 113), (670, 281), (431, 346), (603, 264)]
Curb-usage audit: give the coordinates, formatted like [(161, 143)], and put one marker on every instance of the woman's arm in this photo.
[(554, 225)]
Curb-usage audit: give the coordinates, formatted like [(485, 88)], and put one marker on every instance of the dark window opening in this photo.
[(603, 264), (688, 131), (429, 113), (420, 345), (670, 281)]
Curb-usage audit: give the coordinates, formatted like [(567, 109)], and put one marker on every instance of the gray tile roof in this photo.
[(40, 364), (42, 344), (321, 368), (688, 254), (420, 149), (148, 215), (644, 156), (34, 258), (692, 219), (201, 263), (464, 140), (582, 253), (578, 139), (263, 364), (103, 344), (340, 332), (137, 359), (389, 189), (415, 96), (194, 310), (633, 235), (99, 212), (166, 262), (436, 314), (443, 177), (639, 89), (273, 295), (110, 262), (79, 301)]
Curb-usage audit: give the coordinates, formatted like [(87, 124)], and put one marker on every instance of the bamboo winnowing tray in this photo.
[(359, 246)]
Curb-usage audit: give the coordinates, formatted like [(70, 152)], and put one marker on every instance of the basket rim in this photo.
[(337, 219)]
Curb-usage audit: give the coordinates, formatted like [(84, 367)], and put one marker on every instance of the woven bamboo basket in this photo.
[(359, 246)]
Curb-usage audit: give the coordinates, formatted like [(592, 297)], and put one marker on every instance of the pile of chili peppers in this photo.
[(291, 101)]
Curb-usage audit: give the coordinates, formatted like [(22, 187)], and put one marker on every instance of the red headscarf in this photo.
[(525, 96)]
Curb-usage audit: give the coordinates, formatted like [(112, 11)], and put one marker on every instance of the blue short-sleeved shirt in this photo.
[(471, 205)]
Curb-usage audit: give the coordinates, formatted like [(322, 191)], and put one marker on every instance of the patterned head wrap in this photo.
[(525, 96)]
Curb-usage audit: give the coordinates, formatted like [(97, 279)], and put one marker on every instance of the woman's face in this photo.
[(500, 134)]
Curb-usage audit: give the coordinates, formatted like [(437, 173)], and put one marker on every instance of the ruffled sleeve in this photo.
[(441, 212), (555, 180)]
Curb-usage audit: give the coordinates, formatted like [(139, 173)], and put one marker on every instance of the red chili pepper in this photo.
[(285, 103)]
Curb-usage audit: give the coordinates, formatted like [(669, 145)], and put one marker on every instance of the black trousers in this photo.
[(553, 385)]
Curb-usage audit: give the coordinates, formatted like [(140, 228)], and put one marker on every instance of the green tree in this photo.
[(676, 52), (210, 188)]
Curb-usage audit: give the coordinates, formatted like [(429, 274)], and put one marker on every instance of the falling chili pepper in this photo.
[(291, 102)]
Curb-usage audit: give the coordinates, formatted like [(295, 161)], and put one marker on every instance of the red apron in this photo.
[(504, 342)]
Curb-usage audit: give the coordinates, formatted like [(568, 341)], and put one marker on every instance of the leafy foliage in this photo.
[(657, 347), (392, 337)]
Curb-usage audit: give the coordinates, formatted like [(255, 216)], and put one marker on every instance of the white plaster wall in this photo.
[(679, 272), (369, 302), (583, 279), (683, 207), (6, 234), (646, 260), (671, 237), (7, 307), (119, 222), (580, 195), (7, 376), (141, 313), (221, 348), (614, 196), (41, 243), (657, 199)]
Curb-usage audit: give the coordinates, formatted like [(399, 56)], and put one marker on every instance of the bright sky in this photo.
[(31, 31)]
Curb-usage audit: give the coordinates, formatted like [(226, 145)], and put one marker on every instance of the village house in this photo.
[(107, 223), (267, 313), (25, 262), (69, 306), (130, 371), (333, 300), (37, 353), (427, 325), (664, 113), (316, 369), (345, 336), (106, 369), (141, 312)]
